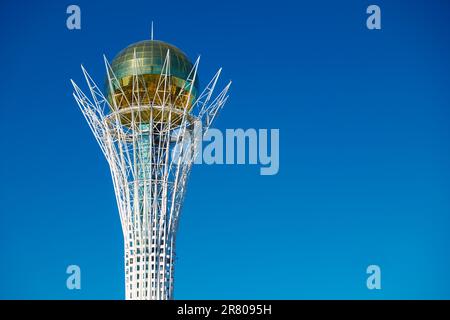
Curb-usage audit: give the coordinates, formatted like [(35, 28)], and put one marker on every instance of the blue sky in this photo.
[(364, 150)]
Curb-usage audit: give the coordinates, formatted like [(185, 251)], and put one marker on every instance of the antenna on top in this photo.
[(152, 31)]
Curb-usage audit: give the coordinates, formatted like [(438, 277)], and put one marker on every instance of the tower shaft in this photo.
[(157, 190)]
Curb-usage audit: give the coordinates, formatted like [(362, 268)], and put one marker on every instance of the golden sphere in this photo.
[(138, 68)]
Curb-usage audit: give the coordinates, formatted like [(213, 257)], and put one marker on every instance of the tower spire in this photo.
[(152, 32)]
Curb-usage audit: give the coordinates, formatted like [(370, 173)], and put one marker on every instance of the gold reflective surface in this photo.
[(138, 68)]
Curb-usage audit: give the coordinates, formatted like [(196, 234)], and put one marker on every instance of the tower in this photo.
[(147, 123)]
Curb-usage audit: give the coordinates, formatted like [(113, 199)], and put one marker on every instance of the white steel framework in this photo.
[(149, 182)]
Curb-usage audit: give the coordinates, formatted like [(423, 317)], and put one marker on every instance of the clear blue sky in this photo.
[(364, 152)]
